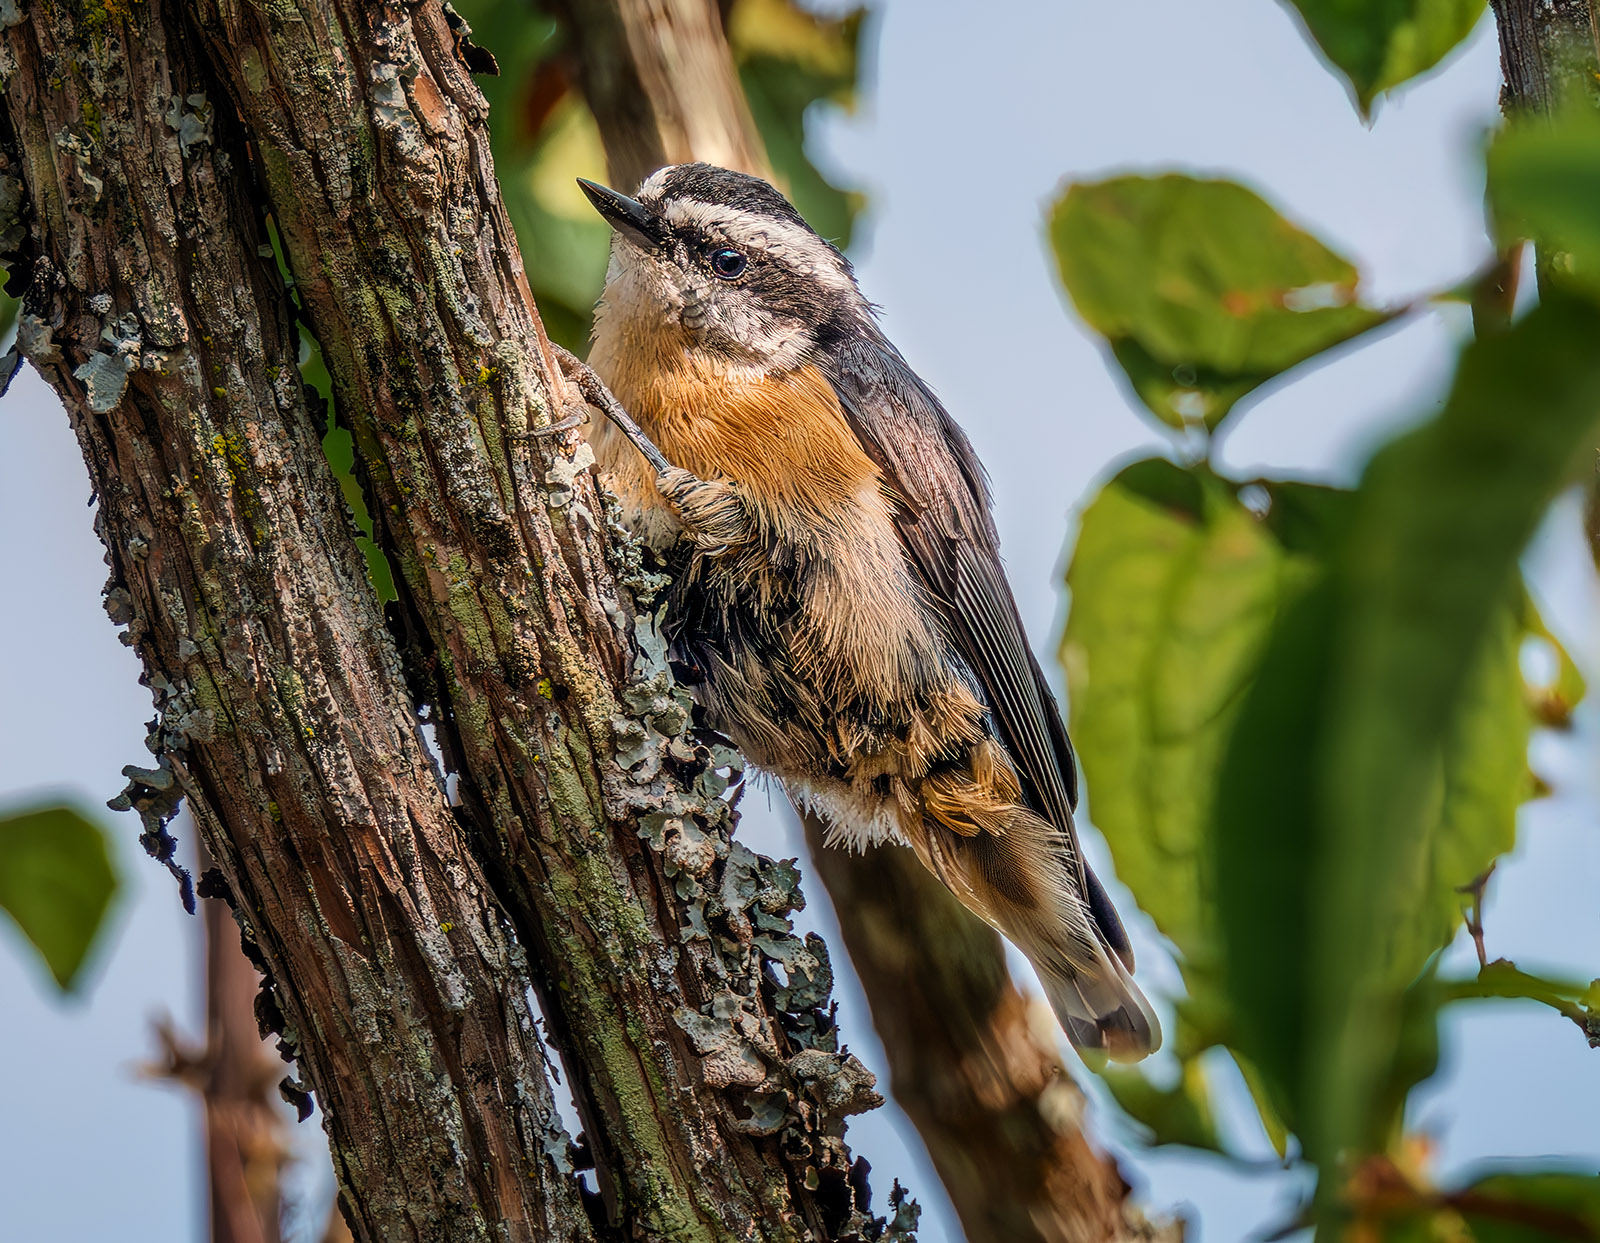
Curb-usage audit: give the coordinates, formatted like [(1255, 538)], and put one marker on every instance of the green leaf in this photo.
[(1530, 1206), (1378, 44), (1277, 1133), (1544, 185), (1262, 837), (57, 882), (1180, 1114), (1336, 817), (1203, 291), (1552, 700), (1175, 585), (544, 138), (1480, 780), (1174, 588)]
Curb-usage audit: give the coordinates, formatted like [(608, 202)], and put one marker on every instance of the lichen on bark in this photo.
[(160, 146)]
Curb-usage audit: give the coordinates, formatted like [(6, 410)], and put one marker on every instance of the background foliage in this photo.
[(1301, 711)]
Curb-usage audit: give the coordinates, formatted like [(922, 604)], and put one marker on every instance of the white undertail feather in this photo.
[(1020, 882)]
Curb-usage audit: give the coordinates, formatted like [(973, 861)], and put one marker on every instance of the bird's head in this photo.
[(728, 258)]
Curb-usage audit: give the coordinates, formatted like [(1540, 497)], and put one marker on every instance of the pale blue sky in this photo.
[(972, 125)]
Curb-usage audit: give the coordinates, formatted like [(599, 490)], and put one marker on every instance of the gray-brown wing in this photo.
[(951, 542)]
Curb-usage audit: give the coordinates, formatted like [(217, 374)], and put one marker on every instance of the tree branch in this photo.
[(989, 1095), (282, 713), (662, 85), (1548, 48), (713, 1100)]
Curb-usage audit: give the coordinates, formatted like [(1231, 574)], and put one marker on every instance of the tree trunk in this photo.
[(282, 712), (1549, 49), (992, 1102), (149, 140), (1550, 52)]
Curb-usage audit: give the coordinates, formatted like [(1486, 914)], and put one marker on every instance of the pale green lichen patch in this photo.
[(191, 118), (105, 373), (787, 1076), (250, 63)]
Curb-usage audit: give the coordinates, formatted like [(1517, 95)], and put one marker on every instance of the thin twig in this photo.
[(599, 396), (1474, 889)]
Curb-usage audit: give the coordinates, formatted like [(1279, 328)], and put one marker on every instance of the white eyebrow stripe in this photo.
[(652, 184), (800, 248)]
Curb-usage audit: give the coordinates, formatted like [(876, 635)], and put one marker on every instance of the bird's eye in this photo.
[(728, 263)]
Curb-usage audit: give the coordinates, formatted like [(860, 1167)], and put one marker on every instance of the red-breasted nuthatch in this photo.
[(838, 605)]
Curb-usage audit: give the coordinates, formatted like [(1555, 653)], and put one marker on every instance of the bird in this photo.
[(838, 607)]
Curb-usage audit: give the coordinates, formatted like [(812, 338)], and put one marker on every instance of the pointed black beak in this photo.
[(627, 216)]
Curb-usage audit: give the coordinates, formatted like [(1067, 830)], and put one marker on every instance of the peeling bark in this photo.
[(282, 713), (149, 140)]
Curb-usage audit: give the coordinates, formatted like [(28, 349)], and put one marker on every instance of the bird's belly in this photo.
[(810, 644), (817, 686)]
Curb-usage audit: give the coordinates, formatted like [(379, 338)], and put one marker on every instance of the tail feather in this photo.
[(1025, 884)]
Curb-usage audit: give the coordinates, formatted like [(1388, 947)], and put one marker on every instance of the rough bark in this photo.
[(693, 1023), (1548, 50), (975, 1071), (993, 1103), (283, 716)]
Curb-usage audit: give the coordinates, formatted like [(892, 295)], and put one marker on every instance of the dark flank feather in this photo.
[(950, 535)]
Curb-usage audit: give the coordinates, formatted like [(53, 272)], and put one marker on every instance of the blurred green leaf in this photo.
[(544, 138), (1277, 1133), (1337, 814), (1262, 839), (1477, 785), (1174, 588), (1180, 1114), (1544, 186), (57, 882), (1551, 700), (1530, 1206), (1378, 44), (1175, 585), (1202, 289)]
